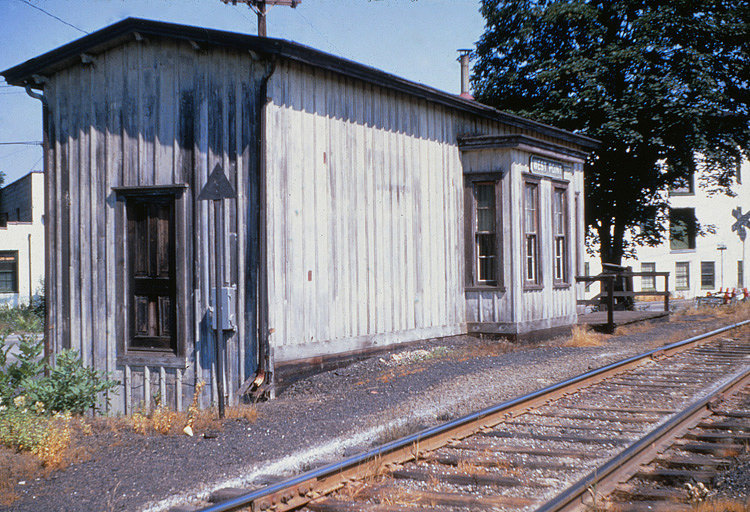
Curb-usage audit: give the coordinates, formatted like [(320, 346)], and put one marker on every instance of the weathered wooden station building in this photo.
[(369, 210)]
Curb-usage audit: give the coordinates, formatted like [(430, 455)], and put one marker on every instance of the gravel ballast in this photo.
[(328, 416)]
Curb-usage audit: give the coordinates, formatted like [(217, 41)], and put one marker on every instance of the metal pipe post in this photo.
[(611, 303), (219, 255)]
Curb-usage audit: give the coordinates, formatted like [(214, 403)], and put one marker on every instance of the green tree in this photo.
[(658, 83)]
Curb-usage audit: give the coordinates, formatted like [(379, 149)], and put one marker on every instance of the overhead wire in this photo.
[(52, 15)]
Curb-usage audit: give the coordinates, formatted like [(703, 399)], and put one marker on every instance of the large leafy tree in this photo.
[(660, 83)]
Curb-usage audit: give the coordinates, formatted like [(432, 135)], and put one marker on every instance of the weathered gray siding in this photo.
[(365, 202), (151, 113)]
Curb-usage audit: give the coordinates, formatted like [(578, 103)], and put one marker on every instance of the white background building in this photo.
[(21, 239), (697, 263)]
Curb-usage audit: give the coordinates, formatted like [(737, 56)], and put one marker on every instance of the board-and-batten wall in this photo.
[(364, 207), (515, 309), (365, 215), (151, 113)]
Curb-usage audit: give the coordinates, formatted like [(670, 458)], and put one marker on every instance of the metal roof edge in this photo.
[(113, 35)]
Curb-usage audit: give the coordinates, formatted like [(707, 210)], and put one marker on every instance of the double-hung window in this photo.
[(708, 275), (648, 283), (682, 275), (531, 233), (483, 231), (8, 271), (560, 231)]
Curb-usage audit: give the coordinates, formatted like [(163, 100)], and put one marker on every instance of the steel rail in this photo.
[(298, 490), (605, 477)]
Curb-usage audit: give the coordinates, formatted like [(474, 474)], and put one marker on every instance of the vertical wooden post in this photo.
[(262, 18), (666, 291)]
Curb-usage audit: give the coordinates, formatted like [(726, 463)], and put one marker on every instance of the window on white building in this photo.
[(8, 271), (648, 283), (682, 226), (682, 275), (708, 275)]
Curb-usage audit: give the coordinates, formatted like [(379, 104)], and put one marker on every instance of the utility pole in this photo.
[(260, 9)]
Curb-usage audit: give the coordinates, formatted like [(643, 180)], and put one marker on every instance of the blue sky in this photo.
[(415, 39)]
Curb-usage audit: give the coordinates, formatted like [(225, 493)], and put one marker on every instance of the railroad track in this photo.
[(556, 449)]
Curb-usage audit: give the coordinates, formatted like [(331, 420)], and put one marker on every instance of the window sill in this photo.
[(155, 358), (485, 289), (561, 286), (682, 289), (681, 251), (532, 287)]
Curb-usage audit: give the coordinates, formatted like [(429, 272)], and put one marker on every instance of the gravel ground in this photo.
[(325, 417)]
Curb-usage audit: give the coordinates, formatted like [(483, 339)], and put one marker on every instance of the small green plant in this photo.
[(68, 386), (27, 366)]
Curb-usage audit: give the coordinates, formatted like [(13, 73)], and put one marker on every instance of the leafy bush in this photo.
[(69, 386)]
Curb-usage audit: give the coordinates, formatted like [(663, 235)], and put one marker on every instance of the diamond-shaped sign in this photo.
[(217, 187)]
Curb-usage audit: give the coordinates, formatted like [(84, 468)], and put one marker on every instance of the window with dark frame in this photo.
[(485, 233), (683, 186), (531, 233), (560, 232), (152, 279), (682, 275), (8, 271), (708, 275), (648, 283)]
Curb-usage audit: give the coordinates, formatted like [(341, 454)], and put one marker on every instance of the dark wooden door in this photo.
[(152, 272)]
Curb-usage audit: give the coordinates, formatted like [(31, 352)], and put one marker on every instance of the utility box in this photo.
[(228, 298)]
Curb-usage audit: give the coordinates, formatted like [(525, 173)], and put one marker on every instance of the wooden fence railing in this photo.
[(608, 294)]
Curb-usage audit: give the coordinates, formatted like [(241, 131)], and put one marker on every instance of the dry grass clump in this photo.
[(488, 348), (583, 336), (15, 467), (734, 312), (634, 328), (166, 421)]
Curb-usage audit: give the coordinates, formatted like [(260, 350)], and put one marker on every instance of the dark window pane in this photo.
[(9, 272), (707, 275), (682, 228)]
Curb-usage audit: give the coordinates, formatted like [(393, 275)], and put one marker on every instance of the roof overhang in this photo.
[(522, 142), (32, 72)]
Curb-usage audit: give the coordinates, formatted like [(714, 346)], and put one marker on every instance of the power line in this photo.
[(52, 15)]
